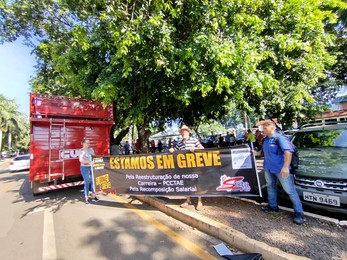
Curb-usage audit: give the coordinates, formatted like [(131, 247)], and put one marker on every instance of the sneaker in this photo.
[(298, 218), (269, 209), (184, 205), (95, 199), (199, 206), (87, 203)]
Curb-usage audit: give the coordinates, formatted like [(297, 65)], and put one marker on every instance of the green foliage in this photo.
[(211, 128), (13, 126), (337, 73), (161, 60)]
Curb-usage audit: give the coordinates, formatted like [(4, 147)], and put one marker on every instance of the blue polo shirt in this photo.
[(273, 152)]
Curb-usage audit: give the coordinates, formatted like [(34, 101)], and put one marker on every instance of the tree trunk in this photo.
[(9, 142), (143, 137), (120, 136), (197, 133)]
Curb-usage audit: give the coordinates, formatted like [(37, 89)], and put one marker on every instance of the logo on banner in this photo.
[(233, 184), (68, 154)]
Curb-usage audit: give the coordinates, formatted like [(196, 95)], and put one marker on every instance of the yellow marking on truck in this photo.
[(184, 242)]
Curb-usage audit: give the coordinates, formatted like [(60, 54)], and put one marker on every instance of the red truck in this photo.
[(57, 128)]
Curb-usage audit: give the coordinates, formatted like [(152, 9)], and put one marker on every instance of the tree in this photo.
[(336, 79), (161, 60), (11, 122), (211, 128), (337, 73)]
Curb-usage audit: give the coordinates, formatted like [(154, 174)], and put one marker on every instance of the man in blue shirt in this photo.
[(127, 148), (277, 157)]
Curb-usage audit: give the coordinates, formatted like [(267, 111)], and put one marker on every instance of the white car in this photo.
[(21, 162)]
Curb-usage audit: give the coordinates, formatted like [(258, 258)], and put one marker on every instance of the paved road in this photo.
[(59, 226)]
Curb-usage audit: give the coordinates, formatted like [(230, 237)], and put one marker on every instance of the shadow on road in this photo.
[(52, 200), (127, 237)]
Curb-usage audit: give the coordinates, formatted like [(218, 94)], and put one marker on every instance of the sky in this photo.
[(16, 68)]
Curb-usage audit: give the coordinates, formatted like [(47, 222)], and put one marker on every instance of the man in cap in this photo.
[(191, 144), (277, 157)]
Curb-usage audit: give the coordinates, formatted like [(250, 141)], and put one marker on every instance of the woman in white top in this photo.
[(86, 161)]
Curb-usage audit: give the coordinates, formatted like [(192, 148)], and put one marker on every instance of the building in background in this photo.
[(339, 103)]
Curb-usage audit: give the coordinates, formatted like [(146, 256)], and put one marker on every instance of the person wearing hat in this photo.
[(191, 144)]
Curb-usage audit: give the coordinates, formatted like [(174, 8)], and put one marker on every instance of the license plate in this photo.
[(321, 198)]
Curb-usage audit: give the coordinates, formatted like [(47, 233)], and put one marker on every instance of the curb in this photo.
[(220, 231)]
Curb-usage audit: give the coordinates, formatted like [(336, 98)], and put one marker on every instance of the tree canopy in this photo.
[(161, 60)]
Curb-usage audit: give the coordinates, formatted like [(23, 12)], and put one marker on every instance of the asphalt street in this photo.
[(58, 225)]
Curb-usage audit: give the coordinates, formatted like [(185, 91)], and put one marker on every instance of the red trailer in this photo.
[(57, 128)]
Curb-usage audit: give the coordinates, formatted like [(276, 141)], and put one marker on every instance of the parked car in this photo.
[(13, 154), (321, 179), (5, 155), (19, 163), (290, 133)]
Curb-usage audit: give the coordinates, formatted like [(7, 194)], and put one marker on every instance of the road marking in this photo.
[(187, 244), (49, 250)]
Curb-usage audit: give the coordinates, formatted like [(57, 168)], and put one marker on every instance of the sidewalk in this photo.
[(221, 231)]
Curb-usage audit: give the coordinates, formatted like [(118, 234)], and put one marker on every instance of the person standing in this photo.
[(221, 141), (277, 157), (232, 139), (114, 149), (137, 146), (191, 144), (259, 139), (85, 158), (165, 145), (127, 148), (153, 146), (160, 146), (227, 139), (250, 137)]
